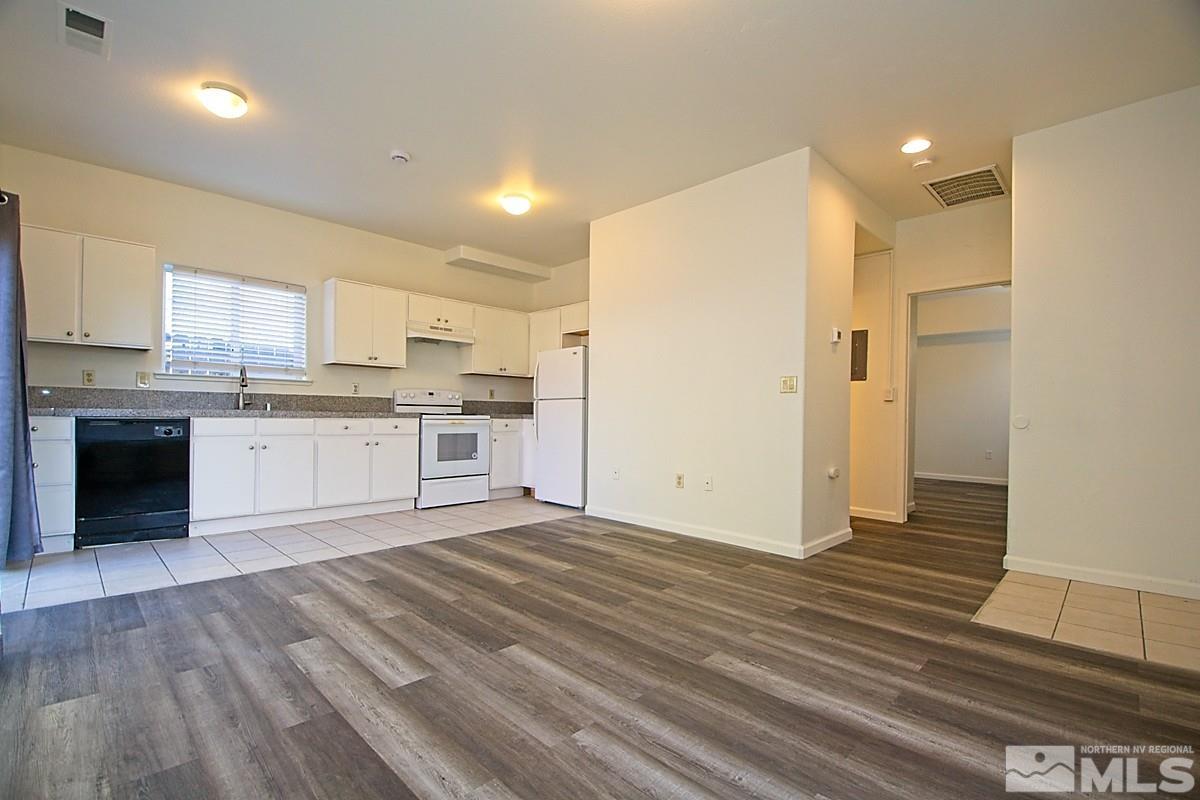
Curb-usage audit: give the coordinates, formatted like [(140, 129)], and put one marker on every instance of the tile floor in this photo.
[(137, 567), (1143, 625)]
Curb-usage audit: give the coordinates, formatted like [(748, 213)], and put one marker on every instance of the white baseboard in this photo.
[(826, 542), (231, 524), (1126, 580), (912, 506), (699, 531), (937, 476), (875, 513)]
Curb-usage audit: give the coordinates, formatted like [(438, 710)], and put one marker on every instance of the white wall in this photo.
[(872, 465), (202, 229), (951, 249), (700, 302), (1104, 350), (568, 284), (961, 374)]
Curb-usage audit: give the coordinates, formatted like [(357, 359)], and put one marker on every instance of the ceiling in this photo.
[(590, 106)]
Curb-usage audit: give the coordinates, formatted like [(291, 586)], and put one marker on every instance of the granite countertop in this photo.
[(168, 413)]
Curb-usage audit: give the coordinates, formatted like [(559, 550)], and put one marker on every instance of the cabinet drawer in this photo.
[(395, 426), (285, 427), (51, 427), (223, 426), (343, 427), (501, 425), (53, 462)]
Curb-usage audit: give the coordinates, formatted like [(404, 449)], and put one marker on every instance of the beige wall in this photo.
[(202, 229), (962, 247), (700, 302), (961, 372), (568, 284), (872, 467), (1105, 343)]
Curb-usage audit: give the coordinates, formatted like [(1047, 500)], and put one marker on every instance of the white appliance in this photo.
[(560, 424), (440, 332), (455, 447)]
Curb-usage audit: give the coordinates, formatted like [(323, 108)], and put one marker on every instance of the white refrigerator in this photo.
[(560, 424)]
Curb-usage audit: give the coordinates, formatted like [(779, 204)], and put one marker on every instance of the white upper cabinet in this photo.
[(365, 325), (501, 344), (118, 293), (575, 318), (439, 310), (52, 263), (545, 333), (88, 290)]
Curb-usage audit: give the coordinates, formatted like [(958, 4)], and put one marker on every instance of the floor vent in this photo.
[(84, 30), (967, 187)]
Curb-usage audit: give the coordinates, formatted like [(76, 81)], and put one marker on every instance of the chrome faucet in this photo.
[(243, 383)]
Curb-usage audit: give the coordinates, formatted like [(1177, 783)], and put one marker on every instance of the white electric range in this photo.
[(455, 447)]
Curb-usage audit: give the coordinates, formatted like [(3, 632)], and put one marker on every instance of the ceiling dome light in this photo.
[(915, 146), (224, 100), (516, 204)]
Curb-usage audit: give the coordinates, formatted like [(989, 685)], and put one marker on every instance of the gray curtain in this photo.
[(20, 534)]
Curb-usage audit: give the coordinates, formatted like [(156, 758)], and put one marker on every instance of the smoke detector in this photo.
[(84, 30), (967, 187), (400, 157)]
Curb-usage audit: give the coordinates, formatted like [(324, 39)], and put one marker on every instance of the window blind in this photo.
[(214, 324)]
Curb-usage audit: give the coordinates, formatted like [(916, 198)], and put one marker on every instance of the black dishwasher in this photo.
[(131, 481)]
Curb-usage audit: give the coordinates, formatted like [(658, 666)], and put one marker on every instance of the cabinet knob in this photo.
[(377, 444), (345, 427), (368, 444), (35, 465), (87, 335), (251, 447), (34, 428), (70, 333), (264, 447), (394, 427)]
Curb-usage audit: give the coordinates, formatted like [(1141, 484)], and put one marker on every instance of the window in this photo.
[(214, 324)]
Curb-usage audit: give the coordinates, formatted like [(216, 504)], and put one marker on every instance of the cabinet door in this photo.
[(343, 470), (285, 473), (118, 295), (487, 352), (389, 315), (423, 308), (461, 315), (528, 453), (545, 333), (51, 263), (575, 318), (352, 328), (506, 460), (223, 470), (56, 510), (394, 468), (53, 462), (515, 344)]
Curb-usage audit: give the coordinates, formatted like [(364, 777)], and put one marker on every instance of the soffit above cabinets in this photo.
[(496, 264)]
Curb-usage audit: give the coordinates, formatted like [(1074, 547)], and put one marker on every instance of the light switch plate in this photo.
[(835, 336), (142, 380), (787, 384), (89, 377)]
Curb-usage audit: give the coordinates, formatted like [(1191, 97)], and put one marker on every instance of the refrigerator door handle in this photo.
[(537, 369)]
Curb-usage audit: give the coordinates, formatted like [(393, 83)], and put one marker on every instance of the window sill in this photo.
[(171, 376)]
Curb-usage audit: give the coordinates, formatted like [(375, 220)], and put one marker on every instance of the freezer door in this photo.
[(561, 374), (561, 461)]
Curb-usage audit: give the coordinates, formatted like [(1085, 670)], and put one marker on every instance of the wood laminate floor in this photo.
[(575, 658)]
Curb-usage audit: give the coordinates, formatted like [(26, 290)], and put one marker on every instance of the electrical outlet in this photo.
[(678, 480), (491, 394), (616, 474), (89, 377), (354, 388), (708, 483), (143, 380), (987, 455)]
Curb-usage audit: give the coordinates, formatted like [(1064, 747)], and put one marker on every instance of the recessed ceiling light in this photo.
[(223, 100), (915, 146), (516, 204)]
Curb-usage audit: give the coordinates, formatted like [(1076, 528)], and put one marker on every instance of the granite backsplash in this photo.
[(74, 397)]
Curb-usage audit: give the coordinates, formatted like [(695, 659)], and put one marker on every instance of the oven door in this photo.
[(453, 448)]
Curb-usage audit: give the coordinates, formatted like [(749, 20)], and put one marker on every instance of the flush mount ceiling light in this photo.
[(915, 146), (227, 102), (516, 204)]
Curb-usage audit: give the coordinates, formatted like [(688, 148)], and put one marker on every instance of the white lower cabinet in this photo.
[(242, 466), (506, 460), (528, 452), (53, 444), (224, 470), (286, 466), (343, 470)]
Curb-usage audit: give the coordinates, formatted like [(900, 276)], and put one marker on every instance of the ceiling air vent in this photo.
[(84, 30), (967, 187)]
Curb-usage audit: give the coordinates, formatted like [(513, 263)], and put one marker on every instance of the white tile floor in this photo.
[(120, 569)]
